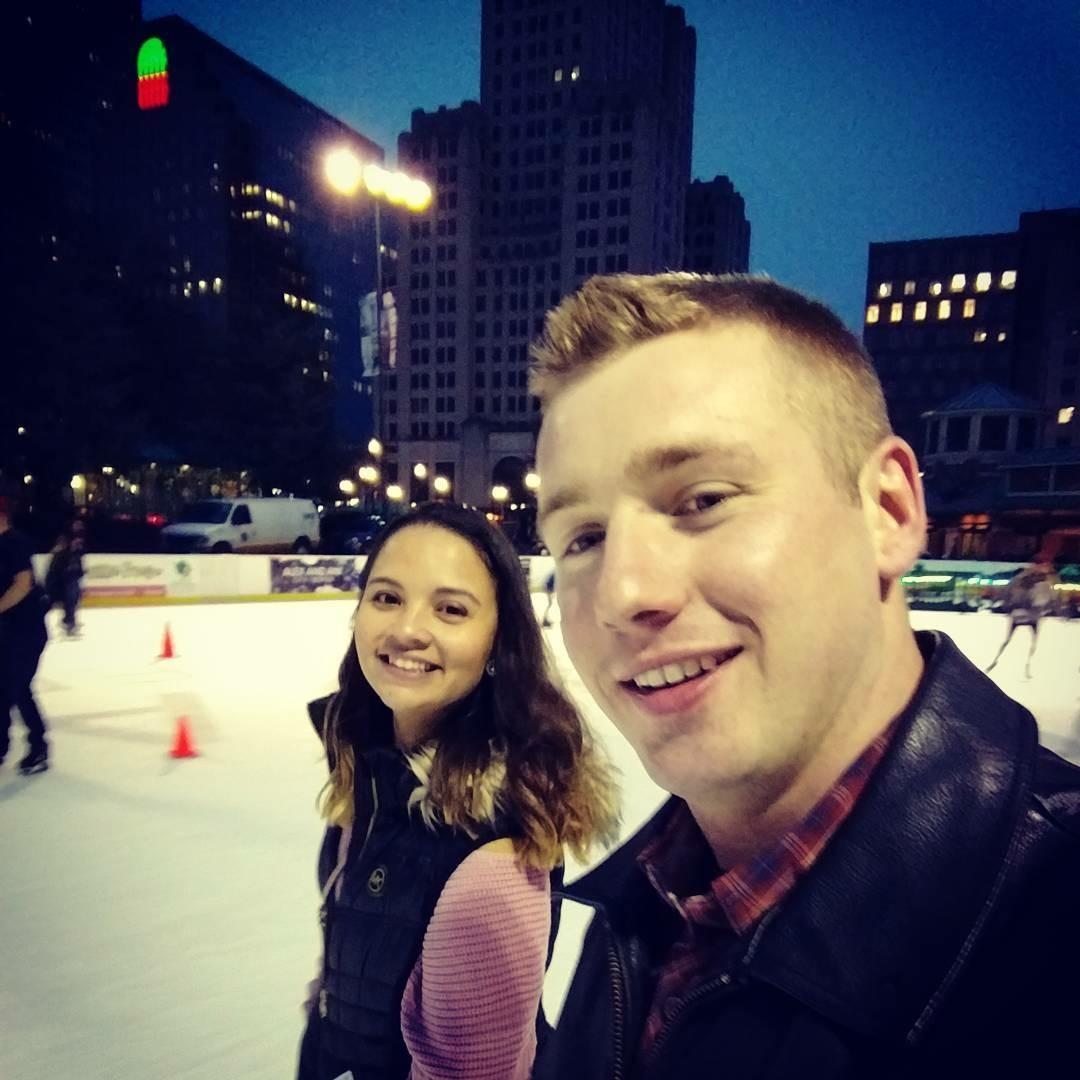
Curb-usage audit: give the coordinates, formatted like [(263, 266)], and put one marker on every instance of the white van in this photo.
[(244, 525)]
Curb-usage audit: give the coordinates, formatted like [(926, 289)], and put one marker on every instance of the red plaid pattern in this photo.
[(678, 863)]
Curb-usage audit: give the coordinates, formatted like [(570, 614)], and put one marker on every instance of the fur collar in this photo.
[(485, 788)]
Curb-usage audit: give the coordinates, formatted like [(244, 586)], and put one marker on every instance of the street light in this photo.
[(394, 493), (441, 485), (369, 474), (347, 487), (500, 493), (375, 448), (346, 173), (420, 471), (532, 481)]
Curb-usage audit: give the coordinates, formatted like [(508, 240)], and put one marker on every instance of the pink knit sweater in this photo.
[(469, 1009)]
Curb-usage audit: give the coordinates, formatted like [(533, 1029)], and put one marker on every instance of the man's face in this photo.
[(704, 549)]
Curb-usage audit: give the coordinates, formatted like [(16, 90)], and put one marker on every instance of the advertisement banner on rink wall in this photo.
[(315, 574), (126, 576)]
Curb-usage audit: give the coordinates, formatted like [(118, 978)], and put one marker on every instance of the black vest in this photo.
[(395, 870)]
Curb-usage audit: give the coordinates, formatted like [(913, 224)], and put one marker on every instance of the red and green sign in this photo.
[(153, 68)]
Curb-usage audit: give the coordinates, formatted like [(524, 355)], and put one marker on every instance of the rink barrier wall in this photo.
[(150, 580), (146, 580)]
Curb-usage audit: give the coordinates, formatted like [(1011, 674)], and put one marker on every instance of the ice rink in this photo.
[(158, 917)]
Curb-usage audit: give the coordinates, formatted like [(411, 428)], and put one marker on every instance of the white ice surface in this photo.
[(158, 917)]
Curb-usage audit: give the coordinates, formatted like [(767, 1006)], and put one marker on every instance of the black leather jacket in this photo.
[(938, 934)]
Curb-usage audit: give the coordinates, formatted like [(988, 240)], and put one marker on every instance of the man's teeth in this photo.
[(673, 674)]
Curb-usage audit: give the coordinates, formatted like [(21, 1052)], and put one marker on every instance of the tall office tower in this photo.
[(575, 162), (717, 231), (190, 285), (946, 314)]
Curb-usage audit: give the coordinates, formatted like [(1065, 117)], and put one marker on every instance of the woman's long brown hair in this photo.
[(558, 792)]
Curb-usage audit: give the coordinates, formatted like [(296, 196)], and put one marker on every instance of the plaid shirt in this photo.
[(679, 864)]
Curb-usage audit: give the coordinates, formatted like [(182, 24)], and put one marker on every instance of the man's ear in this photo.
[(895, 506)]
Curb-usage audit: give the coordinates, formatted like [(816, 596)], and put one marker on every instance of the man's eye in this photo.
[(583, 542), (700, 503)]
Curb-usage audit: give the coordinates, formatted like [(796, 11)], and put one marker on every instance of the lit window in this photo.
[(1002, 335), (884, 289), (958, 283), (873, 313), (187, 290), (944, 309), (980, 336), (558, 74), (1008, 279), (920, 310), (575, 73), (218, 283), (896, 312), (969, 308), (203, 287), (287, 226), (983, 281), (909, 288), (1066, 414), (935, 288)]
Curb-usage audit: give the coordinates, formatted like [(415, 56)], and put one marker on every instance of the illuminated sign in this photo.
[(153, 70)]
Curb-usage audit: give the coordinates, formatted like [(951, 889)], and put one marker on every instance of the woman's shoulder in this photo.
[(494, 871)]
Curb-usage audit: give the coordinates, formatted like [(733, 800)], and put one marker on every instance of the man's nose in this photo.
[(639, 585)]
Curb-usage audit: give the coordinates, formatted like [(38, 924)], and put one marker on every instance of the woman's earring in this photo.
[(490, 669)]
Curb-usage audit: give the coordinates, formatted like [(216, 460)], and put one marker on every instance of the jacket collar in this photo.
[(912, 873)]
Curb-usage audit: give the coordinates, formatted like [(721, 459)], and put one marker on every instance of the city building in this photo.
[(181, 262), (946, 314), (575, 161), (717, 231), (235, 217), (991, 492)]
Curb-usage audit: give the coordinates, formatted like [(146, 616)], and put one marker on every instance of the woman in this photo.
[(459, 773)]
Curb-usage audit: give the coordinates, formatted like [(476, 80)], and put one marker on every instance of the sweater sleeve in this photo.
[(469, 1009)]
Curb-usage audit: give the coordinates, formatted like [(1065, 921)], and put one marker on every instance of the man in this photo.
[(1030, 597), (22, 641), (869, 868)]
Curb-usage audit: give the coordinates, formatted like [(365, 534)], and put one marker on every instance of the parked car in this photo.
[(348, 531), (247, 525)]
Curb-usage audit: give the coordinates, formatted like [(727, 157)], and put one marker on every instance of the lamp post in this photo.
[(346, 173)]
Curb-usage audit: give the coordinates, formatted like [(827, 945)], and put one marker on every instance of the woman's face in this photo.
[(425, 627)]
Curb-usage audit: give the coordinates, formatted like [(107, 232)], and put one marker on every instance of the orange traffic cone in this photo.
[(182, 746), (167, 652)]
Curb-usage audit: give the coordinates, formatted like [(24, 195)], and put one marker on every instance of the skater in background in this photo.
[(458, 775), (63, 579), (549, 588), (22, 641), (1030, 596)]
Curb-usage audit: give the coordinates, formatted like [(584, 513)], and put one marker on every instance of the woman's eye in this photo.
[(699, 504), (455, 609), (384, 598)]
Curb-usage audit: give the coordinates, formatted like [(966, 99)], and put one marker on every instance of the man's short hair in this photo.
[(838, 398)]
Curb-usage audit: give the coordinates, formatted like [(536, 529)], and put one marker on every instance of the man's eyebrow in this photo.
[(646, 463), (445, 589)]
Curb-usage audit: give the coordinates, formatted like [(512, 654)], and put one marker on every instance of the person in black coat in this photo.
[(868, 868), (63, 578), (22, 641)]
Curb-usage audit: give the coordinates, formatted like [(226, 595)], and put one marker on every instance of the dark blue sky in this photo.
[(840, 121)]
